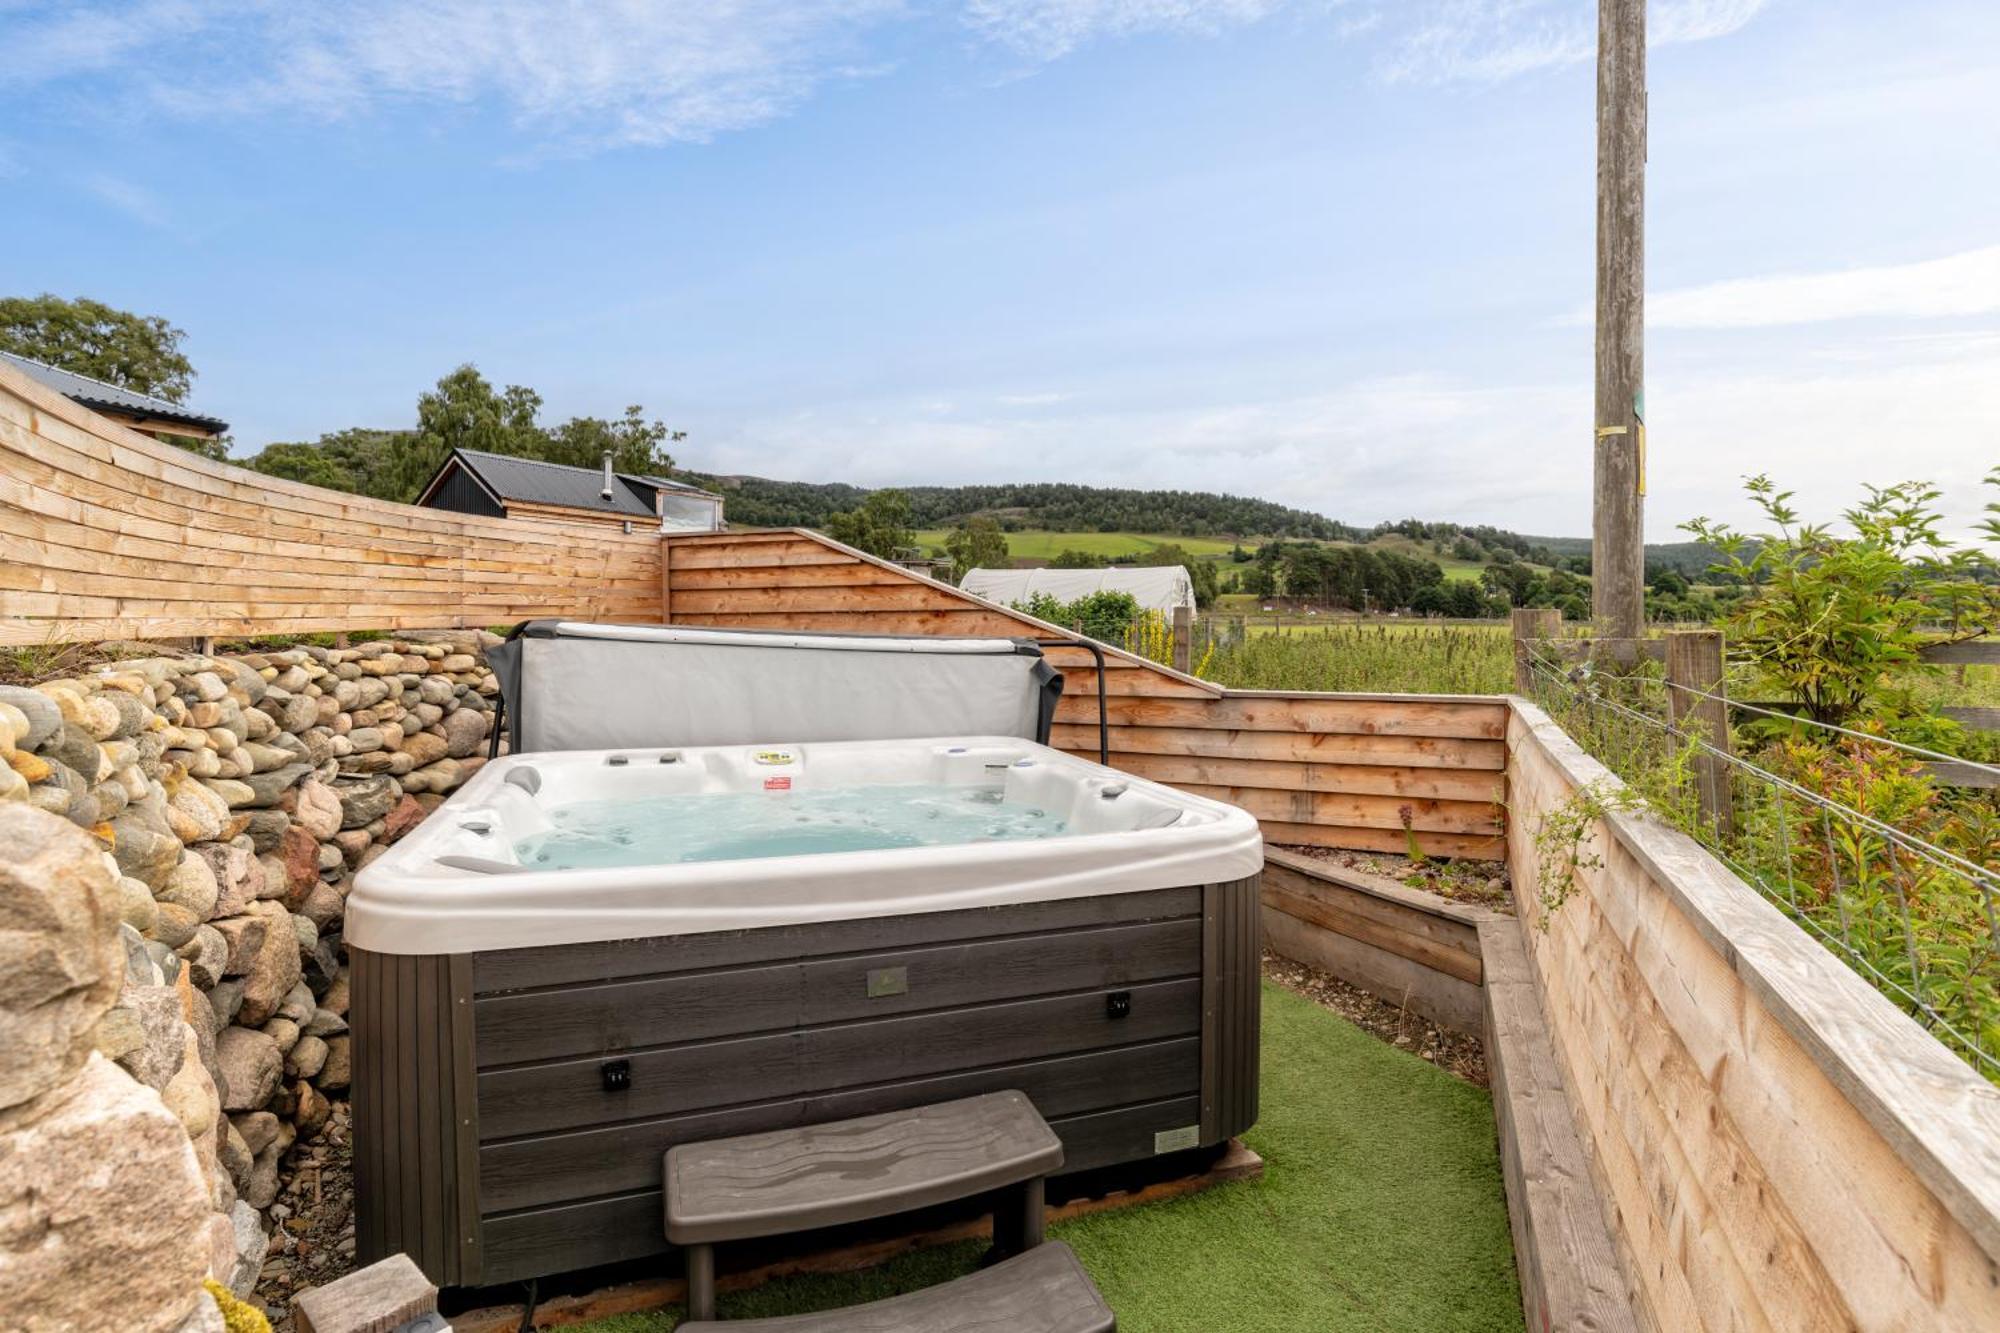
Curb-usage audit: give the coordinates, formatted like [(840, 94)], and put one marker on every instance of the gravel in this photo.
[(1460, 1056), (312, 1242)]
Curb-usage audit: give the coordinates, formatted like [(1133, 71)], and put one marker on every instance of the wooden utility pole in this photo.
[(1618, 535)]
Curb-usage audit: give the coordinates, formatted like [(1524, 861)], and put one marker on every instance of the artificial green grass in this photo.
[(1380, 1210)]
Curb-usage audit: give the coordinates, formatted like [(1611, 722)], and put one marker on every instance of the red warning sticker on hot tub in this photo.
[(777, 784)]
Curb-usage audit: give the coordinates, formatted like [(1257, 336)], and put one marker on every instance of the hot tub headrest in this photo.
[(569, 685)]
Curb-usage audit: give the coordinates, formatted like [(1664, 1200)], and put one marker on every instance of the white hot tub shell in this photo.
[(454, 884), (528, 1041)]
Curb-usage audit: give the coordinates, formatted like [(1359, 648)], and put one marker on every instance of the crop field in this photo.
[(1377, 657)]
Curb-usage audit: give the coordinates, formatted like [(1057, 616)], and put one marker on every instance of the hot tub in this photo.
[(585, 957)]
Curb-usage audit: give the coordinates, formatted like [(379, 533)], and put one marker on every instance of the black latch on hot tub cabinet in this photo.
[(1117, 1003), (617, 1075)]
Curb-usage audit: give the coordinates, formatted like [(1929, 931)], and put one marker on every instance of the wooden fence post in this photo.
[(1529, 624), (666, 581), (1694, 661), (1183, 638)]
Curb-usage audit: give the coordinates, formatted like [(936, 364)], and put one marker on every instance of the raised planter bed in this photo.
[(1411, 948)]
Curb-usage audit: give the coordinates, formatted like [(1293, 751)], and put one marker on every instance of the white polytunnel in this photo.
[(569, 685), (1154, 588)]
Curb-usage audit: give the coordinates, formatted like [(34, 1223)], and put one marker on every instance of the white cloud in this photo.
[(592, 75), (1956, 285), (1875, 410), (1434, 446), (1048, 29), (133, 200), (1350, 452), (585, 75), (1044, 399), (1443, 41)]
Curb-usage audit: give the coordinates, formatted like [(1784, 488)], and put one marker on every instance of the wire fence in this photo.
[(1842, 830)]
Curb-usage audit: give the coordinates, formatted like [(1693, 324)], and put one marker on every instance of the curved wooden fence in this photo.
[(110, 534)]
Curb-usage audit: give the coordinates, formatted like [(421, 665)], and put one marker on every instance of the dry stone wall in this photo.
[(177, 839)]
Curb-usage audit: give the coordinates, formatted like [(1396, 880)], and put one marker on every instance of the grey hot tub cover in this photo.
[(571, 685)]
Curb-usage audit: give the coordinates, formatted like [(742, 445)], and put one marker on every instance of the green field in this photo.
[(1113, 545), (1047, 545)]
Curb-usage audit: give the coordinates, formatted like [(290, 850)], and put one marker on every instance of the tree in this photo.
[(464, 412), (1831, 619), (976, 543), (1068, 558), (1667, 581), (358, 460), (1463, 601), (635, 444), (1201, 573), (1515, 582), (137, 352), (880, 525), (305, 463), (1103, 615)]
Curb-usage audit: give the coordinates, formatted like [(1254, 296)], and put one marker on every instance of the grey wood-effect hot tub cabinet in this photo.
[(512, 1108)]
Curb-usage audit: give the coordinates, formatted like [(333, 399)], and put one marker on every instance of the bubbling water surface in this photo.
[(734, 826)]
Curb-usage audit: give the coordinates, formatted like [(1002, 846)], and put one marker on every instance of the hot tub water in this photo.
[(731, 826)]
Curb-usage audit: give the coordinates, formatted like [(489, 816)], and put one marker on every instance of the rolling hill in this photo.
[(1044, 518)]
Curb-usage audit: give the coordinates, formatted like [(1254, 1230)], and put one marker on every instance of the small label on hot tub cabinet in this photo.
[(1175, 1140), (777, 784)]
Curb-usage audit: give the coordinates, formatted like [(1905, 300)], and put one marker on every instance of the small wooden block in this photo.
[(376, 1299)]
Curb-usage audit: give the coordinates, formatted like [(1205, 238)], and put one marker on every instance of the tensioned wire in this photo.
[(1950, 860), (1555, 674), (1918, 750)]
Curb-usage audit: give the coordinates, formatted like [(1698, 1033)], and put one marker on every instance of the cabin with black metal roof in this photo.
[(471, 481), (141, 411)]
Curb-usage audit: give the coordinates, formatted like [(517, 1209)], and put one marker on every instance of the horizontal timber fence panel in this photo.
[(1782, 1146), (1367, 772), (110, 534)]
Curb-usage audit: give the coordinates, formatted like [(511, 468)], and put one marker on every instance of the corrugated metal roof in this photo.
[(531, 481), (98, 395)]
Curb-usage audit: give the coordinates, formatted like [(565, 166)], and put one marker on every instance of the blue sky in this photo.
[(1337, 254)]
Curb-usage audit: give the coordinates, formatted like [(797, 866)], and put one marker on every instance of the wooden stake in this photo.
[(1694, 660), (1183, 638), (1618, 552), (666, 581), (1530, 624)]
